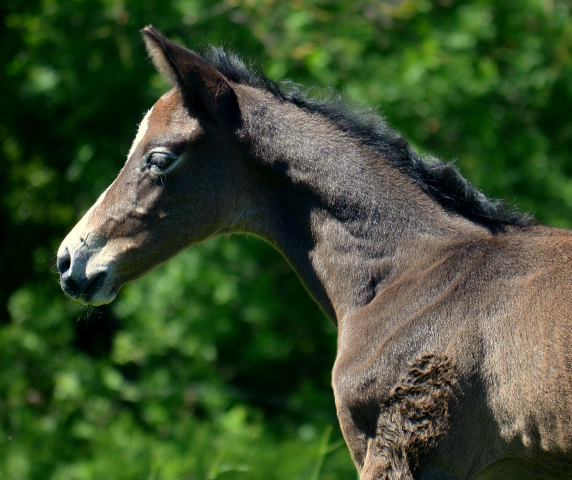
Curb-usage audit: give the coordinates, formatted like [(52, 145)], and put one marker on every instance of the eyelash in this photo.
[(159, 162)]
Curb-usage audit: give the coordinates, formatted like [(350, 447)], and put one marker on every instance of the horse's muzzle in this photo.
[(88, 285)]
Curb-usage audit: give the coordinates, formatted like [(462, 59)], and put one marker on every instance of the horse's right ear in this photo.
[(207, 91)]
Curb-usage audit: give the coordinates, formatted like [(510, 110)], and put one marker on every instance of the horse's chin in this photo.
[(97, 299), (100, 298)]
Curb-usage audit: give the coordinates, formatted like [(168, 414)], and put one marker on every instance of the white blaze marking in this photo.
[(81, 226), (100, 199), (143, 126)]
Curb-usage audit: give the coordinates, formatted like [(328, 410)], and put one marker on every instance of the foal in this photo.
[(453, 312)]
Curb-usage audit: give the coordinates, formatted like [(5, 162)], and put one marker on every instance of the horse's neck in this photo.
[(340, 216)]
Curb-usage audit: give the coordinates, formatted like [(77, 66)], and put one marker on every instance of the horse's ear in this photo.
[(206, 90)]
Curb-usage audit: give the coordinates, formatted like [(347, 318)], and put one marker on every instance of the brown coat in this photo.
[(454, 343)]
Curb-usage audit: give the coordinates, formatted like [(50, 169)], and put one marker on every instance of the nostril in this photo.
[(64, 262)]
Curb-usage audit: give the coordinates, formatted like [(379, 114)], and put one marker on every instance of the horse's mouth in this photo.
[(95, 290)]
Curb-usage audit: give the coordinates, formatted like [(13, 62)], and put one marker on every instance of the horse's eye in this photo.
[(160, 161)]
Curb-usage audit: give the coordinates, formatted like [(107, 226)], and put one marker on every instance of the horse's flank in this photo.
[(452, 309)]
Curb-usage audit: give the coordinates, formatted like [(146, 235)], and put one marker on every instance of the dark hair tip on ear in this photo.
[(152, 33), (148, 29)]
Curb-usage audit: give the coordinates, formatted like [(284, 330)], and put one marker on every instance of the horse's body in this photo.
[(453, 312)]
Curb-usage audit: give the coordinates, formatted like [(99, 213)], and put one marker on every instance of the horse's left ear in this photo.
[(207, 91)]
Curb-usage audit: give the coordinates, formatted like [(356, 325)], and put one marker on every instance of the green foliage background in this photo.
[(216, 365)]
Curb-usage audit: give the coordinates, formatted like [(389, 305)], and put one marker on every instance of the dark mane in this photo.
[(442, 180)]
